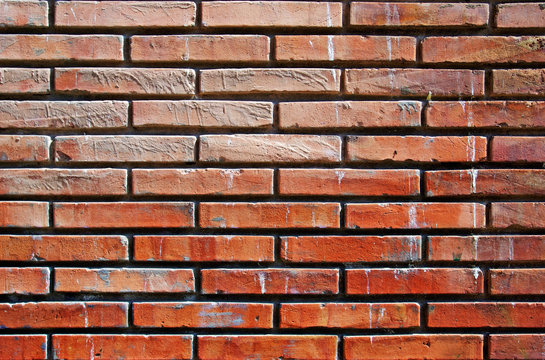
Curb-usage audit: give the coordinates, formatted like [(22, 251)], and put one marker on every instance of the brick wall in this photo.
[(272, 180)]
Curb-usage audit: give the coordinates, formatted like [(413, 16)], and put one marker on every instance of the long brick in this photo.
[(345, 48), (346, 249), (24, 81), (268, 215), (415, 215), (518, 214), (477, 114), (129, 347), (24, 13), (350, 315), (24, 214), (414, 82), (28, 280), (516, 346), (202, 181), (106, 14), (203, 315), (125, 81), (124, 214), (348, 182), (417, 148), (270, 148), (270, 281), (203, 114), (273, 80), (216, 48), (517, 281), (414, 281), (19, 148), (125, 148), (63, 114), (61, 47), (63, 248), (22, 347), (349, 114), (521, 15), (414, 346), (271, 14), (394, 14), (39, 315), (518, 82), (518, 148), (486, 314)]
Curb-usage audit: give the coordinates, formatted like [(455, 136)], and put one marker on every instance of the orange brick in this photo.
[(518, 148), (518, 82), (516, 346), (24, 148), (24, 13), (29, 280), (24, 214), (24, 81), (518, 214), (22, 347), (525, 15), (517, 281)]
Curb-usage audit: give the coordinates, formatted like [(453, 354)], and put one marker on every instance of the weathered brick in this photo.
[(202, 181), (414, 82), (29, 280), (350, 315), (517, 214), (38, 315), (125, 81), (22, 347), (522, 15), (517, 281), (518, 82), (516, 346), (24, 214), (518, 148), (269, 215), (273, 80), (270, 281), (24, 13), (125, 148), (19, 148), (24, 81), (203, 315), (271, 14), (183, 48), (124, 215), (106, 14), (415, 215), (345, 249), (129, 347)]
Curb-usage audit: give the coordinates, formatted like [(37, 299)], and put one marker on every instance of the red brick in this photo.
[(29, 280), (273, 80), (129, 347), (63, 248), (269, 215), (487, 248), (517, 346), (270, 148), (486, 314), (124, 215), (270, 281), (24, 148), (345, 249), (202, 181), (24, 81), (38, 315), (281, 14), (518, 148), (63, 114), (345, 48), (414, 281), (414, 346), (417, 148), (483, 49), (350, 315), (414, 82), (70, 182), (138, 14), (349, 114), (203, 114), (392, 14), (518, 214), (476, 114), (525, 15), (21, 347), (239, 347), (61, 47), (24, 13), (517, 281), (24, 214), (125, 148), (204, 248), (348, 182), (125, 81), (216, 48), (518, 82), (415, 216), (203, 315), (491, 182)]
